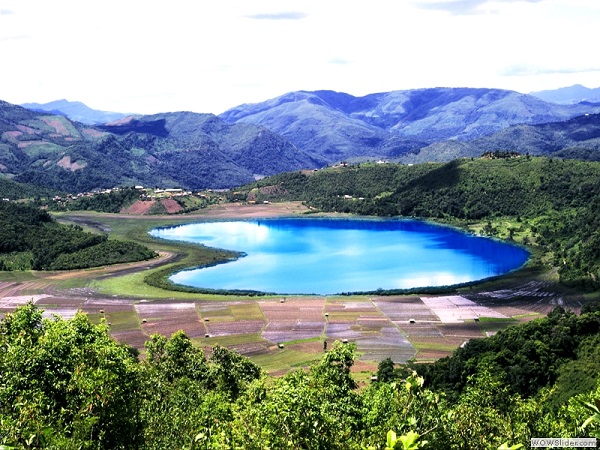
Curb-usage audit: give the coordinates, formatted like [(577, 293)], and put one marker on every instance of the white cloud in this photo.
[(150, 56), (465, 7), (289, 15)]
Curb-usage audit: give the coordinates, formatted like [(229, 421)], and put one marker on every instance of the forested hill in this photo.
[(555, 202), (180, 149), (31, 239), (577, 138)]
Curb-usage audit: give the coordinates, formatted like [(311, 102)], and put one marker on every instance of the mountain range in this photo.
[(298, 130), (170, 150), (393, 124)]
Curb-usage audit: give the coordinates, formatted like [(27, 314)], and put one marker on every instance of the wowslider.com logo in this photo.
[(563, 442)]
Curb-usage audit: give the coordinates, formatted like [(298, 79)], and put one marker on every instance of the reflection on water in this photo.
[(328, 256)]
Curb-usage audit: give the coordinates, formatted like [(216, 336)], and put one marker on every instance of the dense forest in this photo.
[(31, 239), (66, 384), (555, 202), (11, 190)]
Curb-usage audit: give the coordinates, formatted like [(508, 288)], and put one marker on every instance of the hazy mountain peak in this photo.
[(76, 111), (570, 95)]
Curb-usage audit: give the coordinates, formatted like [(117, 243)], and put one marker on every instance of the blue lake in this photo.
[(328, 256)]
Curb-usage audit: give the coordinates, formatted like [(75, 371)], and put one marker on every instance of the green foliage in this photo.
[(230, 371), (65, 381), (178, 393), (31, 239), (405, 442), (303, 409), (16, 191), (385, 370), (528, 355), (65, 384), (592, 423), (104, 253)]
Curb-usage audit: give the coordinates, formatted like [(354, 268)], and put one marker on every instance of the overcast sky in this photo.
[(148, 56)]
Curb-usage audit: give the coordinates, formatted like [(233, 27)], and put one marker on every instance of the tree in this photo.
[(385, 370), (65, 383), (231, 371)]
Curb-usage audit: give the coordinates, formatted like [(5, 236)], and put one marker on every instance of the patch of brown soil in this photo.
[(171, 206), (139, 208), (93, 133), (65, 163), (167, 318), (57, 124)]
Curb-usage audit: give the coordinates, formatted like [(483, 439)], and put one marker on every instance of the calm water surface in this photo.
[(329, 256)]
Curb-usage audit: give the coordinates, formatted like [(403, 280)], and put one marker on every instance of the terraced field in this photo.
[(401, 327)]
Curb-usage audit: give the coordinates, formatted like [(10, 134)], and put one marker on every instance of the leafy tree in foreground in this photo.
[(65, 384)]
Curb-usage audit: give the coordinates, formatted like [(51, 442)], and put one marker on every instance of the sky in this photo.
[(148, 56)]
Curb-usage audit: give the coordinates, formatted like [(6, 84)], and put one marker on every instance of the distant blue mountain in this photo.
[(338, 126), (76, 111), (570, 95)]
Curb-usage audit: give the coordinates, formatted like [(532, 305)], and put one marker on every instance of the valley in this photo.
[(533, 183), (277, 332)]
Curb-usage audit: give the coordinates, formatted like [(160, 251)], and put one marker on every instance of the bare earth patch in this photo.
[(65, 163), (140, 207), (454, 308), (167, 318), (171, 206)]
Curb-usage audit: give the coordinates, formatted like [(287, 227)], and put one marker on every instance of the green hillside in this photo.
[(31, 239), (12, 190), (553, 203)]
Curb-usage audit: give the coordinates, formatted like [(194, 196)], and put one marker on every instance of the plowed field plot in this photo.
[(372, 323), (139, 207), (121, 315), (292, 330), (466, 329), (532, 296), (404, 309), (234, 327), (389, 342), (349, 311), (224, 319), (419, 330), (48, 301), (430, 349), (215, 311), (171, 206), (107, 304), (167, 318), (300, 309), (27, 288), (230, 311), (293, 319), (454, 308), (135, 338), (251, 348), (339, 331), (9, 304)]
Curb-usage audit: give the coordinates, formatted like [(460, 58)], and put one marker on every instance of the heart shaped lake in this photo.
[(330, 256)]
